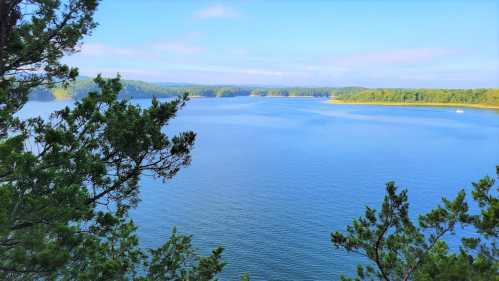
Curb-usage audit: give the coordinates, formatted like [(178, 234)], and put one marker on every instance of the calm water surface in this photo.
[(271, 178)]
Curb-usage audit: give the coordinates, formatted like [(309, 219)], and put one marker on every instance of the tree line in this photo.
[(140, 89), (68, 182), (463, 96)]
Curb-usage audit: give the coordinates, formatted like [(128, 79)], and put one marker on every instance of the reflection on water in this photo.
[(271, 178)]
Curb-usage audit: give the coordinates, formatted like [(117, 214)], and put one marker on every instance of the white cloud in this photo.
[(216, 11), (99, 49), (400, 56), (146, 51), (125, 72), (238, 70), (183, 48), (262, 72)]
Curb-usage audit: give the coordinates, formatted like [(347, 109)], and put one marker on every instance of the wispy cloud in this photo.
[(209, 74), (262, 72), (400, 56), (178, 47), (127, 73), (99, 49), (145, 51), (216, 11), (183, 60), (235, 70)]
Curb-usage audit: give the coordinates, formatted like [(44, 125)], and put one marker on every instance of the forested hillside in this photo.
[(141, 89), (444, 96)]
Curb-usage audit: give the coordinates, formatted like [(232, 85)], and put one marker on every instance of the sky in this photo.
[(425, 44)]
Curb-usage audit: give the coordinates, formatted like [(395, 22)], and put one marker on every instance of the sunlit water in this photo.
[(271, 178)]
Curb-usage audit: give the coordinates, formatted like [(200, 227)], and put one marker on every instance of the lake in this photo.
[(271, 178)]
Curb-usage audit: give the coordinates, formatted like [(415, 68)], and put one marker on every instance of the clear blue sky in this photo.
[(297, 43)]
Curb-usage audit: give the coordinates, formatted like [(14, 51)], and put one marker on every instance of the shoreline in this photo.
[(292, 97), (66, 98), (428, 104)]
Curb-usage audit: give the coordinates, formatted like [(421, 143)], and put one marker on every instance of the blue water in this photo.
[(271, 178)]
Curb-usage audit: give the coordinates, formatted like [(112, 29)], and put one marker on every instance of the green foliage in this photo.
[(92, 154), (402, 250), (464, 96), (34, 35), (139, 89), (176, 260), (245, 277), (292, 92), (67, 182)]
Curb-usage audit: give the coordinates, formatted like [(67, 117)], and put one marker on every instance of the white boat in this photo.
[(459, 110)]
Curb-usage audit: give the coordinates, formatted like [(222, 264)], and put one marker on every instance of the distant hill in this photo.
[(81, 87), (458, 97), (140, 89)]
